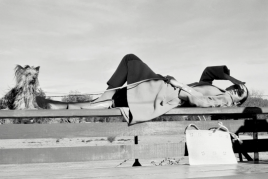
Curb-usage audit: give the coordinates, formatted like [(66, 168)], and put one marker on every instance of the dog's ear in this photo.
[(18, 67), (26, 66), (18, 70), (37, 68)]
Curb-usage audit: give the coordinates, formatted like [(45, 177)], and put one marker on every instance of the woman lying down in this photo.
[(149, 95)]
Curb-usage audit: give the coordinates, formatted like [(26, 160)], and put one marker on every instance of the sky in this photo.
[(79, 43)]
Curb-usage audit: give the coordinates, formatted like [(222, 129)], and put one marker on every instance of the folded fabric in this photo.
[(150, 99)]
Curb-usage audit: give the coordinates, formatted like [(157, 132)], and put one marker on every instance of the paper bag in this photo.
[(209, 147)]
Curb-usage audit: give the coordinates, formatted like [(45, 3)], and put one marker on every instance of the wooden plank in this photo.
[(88, 141), (65, 154), (168, 150), (109, 152), (90, 153), (210, 111), (116, 112), (22, 131), (123, 163), (105, 141), (58, 113), (70, 165), (66, 142), (177, 149)]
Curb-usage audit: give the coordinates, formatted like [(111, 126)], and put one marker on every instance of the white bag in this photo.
[(210, 146)]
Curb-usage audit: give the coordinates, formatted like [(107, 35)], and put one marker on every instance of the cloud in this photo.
[(78, 42)]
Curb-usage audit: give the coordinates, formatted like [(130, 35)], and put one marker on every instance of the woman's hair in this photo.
[(240, 92)]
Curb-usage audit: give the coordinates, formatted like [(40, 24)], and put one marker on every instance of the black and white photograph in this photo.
[(139, 89)]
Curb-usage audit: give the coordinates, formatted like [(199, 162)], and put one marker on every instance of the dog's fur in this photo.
[(23, 95)]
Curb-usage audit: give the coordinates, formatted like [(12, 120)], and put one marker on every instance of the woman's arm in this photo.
[(197, 99), (218, 73), (185, 91), (233, 80), (223, 100), (211, 101)]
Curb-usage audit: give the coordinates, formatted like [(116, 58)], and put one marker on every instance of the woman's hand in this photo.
[(185, 88), (233, 80), (176, 84)]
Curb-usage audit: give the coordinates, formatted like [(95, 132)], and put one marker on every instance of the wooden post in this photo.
[(255, 138), (136, 163)]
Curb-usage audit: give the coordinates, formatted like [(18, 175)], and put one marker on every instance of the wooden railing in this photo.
[(76, 142)]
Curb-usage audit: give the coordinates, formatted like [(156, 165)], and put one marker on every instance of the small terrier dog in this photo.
[(23, 95)]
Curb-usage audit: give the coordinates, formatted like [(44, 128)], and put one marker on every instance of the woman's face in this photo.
[(238, 92)]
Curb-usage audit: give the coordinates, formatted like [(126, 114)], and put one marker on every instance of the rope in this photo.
[(231, 133), (217, 129), (101, 92)]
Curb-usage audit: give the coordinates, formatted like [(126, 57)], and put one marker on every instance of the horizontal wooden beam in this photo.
[(111, 152), (90, 153), (212, 111), (33, 131), (116, 112), (65, 154), (58, 113)]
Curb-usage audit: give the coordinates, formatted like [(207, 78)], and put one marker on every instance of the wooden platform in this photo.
[(103, 169), (108, 150)]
